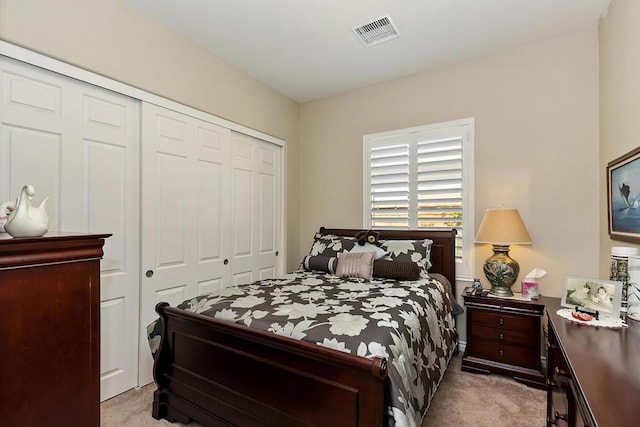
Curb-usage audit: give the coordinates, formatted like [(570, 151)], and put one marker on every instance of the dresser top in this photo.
[(605, 363), (6, 239), (49, 249)]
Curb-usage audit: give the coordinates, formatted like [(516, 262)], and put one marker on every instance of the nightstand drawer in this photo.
[(503, 335), (504, 321), (511, 354)]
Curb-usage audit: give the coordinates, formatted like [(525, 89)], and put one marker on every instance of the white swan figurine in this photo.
[(26, 220)]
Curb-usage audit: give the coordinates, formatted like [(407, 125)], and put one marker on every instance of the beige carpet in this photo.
[(463, 399), (466, 399)]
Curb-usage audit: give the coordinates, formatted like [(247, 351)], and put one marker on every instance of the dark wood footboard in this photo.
[(219, 374)]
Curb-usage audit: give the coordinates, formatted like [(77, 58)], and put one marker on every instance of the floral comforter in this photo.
[(409, 323)]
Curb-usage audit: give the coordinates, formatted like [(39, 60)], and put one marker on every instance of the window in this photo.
[(421, 178)]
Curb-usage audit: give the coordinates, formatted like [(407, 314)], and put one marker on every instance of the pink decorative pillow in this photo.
[(356, 265)]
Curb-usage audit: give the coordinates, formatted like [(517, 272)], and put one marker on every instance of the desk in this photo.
[(593, 373)]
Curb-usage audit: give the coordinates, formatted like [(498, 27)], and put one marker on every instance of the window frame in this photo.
[(465, 267)]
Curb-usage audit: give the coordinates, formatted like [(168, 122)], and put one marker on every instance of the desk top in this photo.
[(605, 364)]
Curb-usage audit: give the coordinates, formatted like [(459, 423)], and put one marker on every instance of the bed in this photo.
[(307, 349)]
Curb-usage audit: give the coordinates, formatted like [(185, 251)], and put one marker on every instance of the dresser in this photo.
[(50, 330), (504, 337), (594, 373)]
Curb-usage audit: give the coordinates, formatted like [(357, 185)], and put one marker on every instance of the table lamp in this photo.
[(501, 228)]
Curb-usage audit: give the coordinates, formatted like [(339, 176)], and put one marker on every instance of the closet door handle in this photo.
[(277, 253), (226, 261), (149, 273)]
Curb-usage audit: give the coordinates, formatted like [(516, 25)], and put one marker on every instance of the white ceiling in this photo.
[(306, 49)]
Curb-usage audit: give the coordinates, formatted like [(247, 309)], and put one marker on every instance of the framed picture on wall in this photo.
[(623, 195), (592, 294)]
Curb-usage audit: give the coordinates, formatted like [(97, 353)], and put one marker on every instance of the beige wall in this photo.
[(536, 147), (110, 38), (619, 101), (536, 111)]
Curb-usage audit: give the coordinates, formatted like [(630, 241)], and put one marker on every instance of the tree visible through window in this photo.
[(420, 178)]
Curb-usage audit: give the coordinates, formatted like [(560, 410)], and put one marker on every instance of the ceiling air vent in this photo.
[(378, 31)]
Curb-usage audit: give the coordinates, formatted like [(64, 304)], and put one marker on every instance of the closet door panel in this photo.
[(242, 218), (214, 207), (107, 143), (207, 286), (79, 145), (20, 166), (267, 214), (242, 227), (106, 199), (171, 217), (243, 201), (113, 330), (209, 212), (268, 176), (106, 115), (30, 97), (185, 217), (256, 209)]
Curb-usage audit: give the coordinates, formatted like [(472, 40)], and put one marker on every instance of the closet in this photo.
[(211, 211), (193, 202)]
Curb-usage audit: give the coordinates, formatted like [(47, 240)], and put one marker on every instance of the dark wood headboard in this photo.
[(443, 249)]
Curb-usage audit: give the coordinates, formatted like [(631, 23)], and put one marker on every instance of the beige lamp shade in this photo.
[(503, 227)]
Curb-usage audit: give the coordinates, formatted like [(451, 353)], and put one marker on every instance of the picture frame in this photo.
[(592, 295), (623, 197)]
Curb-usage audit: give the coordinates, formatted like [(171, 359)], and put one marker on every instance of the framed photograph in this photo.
[(623, 194), (592, 294)]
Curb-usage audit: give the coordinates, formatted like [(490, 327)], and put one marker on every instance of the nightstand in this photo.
[(504, 337)]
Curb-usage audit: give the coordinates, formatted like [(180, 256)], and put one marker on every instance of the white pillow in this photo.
[(368, 247)]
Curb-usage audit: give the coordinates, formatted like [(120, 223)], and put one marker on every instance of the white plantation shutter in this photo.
[(417, 179), (390, 184)]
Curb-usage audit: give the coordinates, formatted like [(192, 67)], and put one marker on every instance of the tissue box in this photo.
[(530, 289)]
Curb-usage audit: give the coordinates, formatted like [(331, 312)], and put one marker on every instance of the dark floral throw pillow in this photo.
[(330, 245), (418, 251)]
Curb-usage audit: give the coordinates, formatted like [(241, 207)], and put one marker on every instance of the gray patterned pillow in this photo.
[(330, 245), (418, 251)]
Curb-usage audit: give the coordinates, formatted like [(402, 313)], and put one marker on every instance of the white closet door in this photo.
[(79, 145), (256, 209), (185, 213)]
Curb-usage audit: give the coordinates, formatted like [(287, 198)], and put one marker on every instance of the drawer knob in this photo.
[(501, 352), (501, 336), (501, 321)]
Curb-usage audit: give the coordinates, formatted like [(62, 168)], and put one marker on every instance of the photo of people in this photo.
[(592, 294)]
